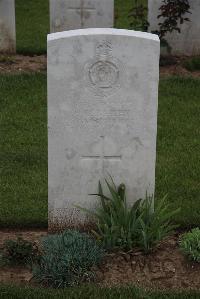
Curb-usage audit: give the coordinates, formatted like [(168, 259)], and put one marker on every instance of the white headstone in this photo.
[(77, 14), (102, 116), (7, 26), (188, 41)]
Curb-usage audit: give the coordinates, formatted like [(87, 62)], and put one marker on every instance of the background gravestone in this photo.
[(7, 26), (76, 14), (102, 116), (188, 41)]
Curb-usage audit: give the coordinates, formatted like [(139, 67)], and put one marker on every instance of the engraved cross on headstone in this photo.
[(103, 157), (83, 10)]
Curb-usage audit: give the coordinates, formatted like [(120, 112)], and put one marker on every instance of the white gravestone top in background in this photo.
[(188, 41), (102, 117), (77, 14), (7, 26)]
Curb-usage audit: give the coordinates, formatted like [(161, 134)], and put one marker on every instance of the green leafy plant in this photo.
[(18, 251), (66, 259), (190, 244), (155, 222), (120, 226), (173, 14), (117, 224)]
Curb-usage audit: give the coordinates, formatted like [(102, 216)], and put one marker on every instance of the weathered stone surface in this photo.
[(102, 116), (77, 14), (7, 26), (188, 41)]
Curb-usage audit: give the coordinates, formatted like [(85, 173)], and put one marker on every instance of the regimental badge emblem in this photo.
[(103, 73)]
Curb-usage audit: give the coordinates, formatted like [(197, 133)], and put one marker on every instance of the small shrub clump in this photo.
[(117, 225), (67, 259), (190, 244), (18, 252), (173, 13), (124, 227)]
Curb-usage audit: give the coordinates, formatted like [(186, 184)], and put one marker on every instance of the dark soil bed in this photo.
[(164, 268), (20, 63), (18, 274)]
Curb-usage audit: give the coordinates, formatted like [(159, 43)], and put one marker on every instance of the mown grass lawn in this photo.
[(32, 23), (23, 148), (178, 147), (91, 292)]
